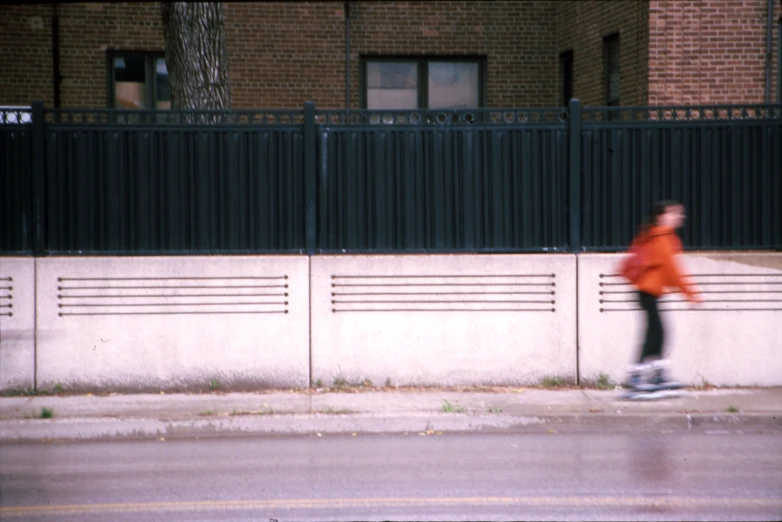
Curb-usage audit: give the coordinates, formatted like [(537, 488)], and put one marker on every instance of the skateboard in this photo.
[(665, 391)]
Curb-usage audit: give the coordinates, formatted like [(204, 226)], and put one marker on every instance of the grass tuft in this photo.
[(451, 408), (603, 382), (553, 382)]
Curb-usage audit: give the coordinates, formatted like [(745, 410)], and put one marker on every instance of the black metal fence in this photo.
[(489, 180), (16, 226), (470, 182), (723, 163)]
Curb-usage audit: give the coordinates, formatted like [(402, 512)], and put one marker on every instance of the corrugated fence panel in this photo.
[(488, 180), (727, 173), (158, 189), (452, 187), (16, 220)]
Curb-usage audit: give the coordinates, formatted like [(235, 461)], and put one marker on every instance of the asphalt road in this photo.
[(661, 476)]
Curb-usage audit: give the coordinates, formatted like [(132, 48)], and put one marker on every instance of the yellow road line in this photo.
[(245, 505)]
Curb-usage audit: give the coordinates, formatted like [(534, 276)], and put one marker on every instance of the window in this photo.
[(566, 70), (138, 81), (413, 83), (611, 60)]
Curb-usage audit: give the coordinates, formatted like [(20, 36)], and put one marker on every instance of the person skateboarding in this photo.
[(653, 268)]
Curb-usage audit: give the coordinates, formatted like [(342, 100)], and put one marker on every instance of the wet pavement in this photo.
[(660, 475)]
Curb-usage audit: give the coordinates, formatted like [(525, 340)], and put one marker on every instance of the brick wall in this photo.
[(285, 53), (581, 27), (25, 54), (517, 39), (88, 30), (300, 53), (709, 51), (282, 54)]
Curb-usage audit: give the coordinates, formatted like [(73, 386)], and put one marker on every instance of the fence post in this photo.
[(37, 186), (310, 177), (574, 136)]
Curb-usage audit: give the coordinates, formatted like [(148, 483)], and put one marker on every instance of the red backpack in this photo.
[(638, 260)]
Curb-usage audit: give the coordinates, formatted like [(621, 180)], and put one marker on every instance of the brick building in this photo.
[(407, 54)]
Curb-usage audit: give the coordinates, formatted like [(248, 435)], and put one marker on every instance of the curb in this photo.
[(83, 429)]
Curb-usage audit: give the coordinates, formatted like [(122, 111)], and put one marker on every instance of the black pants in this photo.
[(653, 342)]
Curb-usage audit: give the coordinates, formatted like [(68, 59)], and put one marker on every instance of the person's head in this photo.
[(668, 213)]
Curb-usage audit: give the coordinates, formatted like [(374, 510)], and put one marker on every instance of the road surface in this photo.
[(659, 476)]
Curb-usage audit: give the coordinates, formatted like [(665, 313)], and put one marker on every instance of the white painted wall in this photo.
[(443, 319), (416, 319), (17, 323), (733, 338), (133, 323)]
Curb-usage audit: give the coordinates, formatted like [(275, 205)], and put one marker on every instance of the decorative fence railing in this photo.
[(486, 180)]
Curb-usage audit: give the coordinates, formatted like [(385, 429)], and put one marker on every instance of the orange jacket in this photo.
[(664, 272)]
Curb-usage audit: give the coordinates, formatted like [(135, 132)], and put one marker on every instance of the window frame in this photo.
[(422, 75), (611, 42), (150, 59)]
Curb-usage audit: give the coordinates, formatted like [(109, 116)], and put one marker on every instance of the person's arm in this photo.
[(672, 271)]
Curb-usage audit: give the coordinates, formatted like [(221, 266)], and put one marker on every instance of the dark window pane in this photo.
[(566, 64), (611, 50), (129, 69), (163, 87), (130, 91)]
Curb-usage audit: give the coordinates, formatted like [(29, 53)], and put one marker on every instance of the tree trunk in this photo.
[(196, 58)]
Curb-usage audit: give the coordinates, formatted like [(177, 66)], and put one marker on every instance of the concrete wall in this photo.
[(177, 323), (733, 338), (17, 323), (173, 323), (458, 319)]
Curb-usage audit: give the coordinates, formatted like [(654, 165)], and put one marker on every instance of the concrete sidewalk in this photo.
[(413, 411)]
